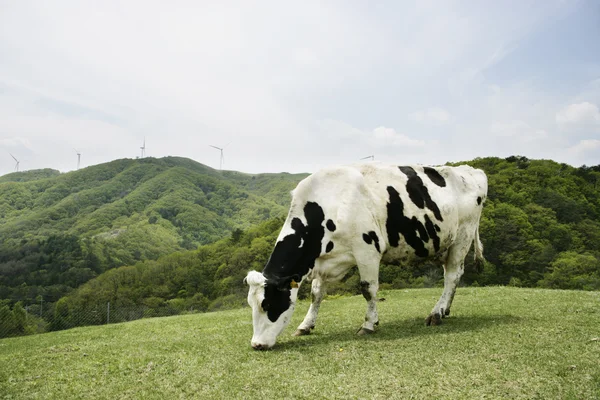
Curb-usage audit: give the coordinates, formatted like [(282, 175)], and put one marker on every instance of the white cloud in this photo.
[(384, 137), (518, 130), (580, 113), (15, 142), (587, 146), (381, 138), (586, 151), (343, 143), (49, 141), (305, 56), (433, 115)]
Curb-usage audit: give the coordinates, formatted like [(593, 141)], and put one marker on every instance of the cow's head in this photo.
[(272, 307)]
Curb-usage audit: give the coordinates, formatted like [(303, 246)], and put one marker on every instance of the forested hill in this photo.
[(540, 225), (59, 230)]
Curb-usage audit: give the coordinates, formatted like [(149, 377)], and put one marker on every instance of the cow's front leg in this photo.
[(369, 291), (318, 291)]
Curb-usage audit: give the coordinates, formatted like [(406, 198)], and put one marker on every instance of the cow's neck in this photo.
[(295, 254)]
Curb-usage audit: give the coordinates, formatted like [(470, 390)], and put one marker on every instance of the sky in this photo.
[(297, 86)]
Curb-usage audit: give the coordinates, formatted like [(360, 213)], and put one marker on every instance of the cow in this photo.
[(361, 215)]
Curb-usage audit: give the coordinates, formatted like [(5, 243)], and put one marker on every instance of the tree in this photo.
[(8, 324), (573, 271)]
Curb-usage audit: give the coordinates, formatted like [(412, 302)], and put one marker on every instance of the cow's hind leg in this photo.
[(369, 284), (453, 271), (318, 291)]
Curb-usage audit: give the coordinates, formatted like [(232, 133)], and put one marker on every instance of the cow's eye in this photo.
[(264, 305)]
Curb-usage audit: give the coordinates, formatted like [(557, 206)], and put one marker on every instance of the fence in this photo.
[(39, 318)]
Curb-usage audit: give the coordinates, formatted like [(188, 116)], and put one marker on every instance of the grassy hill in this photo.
[(500, 342)]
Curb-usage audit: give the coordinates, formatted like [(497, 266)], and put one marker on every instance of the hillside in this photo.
[(59, 230), (496, 344)]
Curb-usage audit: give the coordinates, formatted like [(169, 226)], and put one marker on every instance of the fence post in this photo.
[(108, 313)]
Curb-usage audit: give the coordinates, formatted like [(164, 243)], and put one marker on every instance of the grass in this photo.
[(499, 343)]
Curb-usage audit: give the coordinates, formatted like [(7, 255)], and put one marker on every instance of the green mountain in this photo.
[(188, 201), (59, 230)]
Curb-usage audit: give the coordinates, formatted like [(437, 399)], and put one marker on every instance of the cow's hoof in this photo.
[(446, 312), (433, 319), (302, 332), (364, 331)]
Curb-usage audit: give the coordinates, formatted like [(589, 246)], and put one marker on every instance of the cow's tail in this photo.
[(478, 248)]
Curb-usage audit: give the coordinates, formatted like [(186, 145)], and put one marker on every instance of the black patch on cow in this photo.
[(421, 229), (331, 226), (397, 223), (375, 240), (277, 301), (364, 288), (478, 200), (432, 230), (296, 225), (289, 261), (371, 238), (418, 192), (435, 176), (329, 247)]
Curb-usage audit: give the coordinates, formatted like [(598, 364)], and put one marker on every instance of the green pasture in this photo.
[(499, 342)]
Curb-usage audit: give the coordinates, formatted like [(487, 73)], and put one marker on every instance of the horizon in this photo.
[(283, 172)]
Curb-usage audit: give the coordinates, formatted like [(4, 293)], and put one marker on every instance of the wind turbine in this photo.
[(78, 157), (17, 165), (143, 148), (222, 157), (371, 157)]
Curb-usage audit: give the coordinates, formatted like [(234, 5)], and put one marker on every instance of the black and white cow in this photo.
[(360, 215)]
